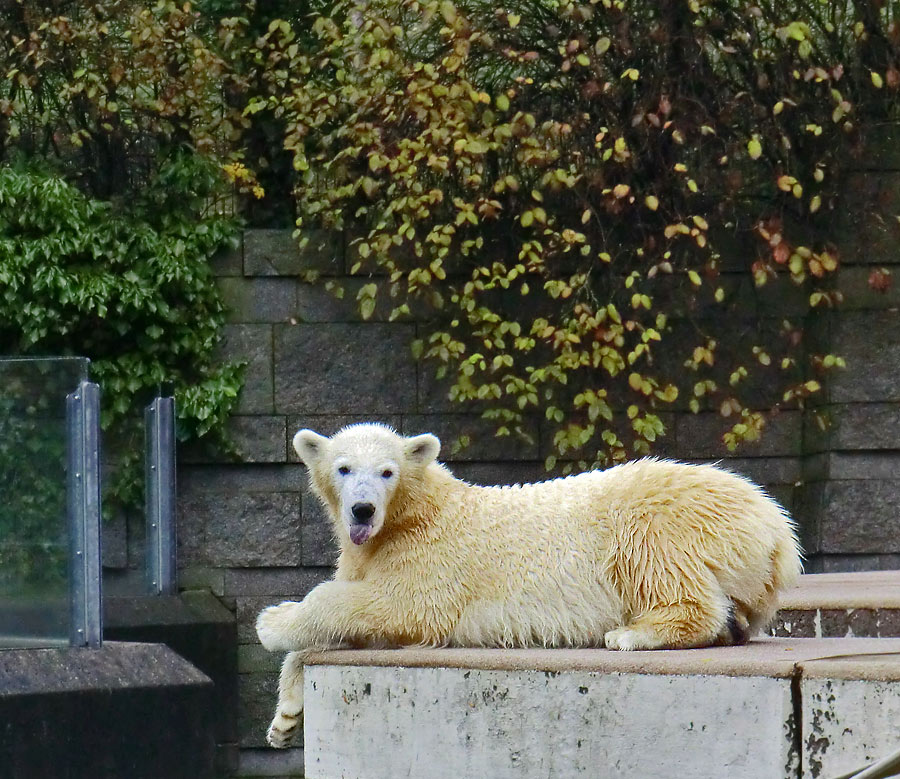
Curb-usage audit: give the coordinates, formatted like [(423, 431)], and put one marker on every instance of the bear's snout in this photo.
[(362, 512)]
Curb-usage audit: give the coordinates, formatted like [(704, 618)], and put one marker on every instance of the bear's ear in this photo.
[(422, 449), (309, 446)]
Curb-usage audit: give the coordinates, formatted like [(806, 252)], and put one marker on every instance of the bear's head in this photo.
[(360, 469)]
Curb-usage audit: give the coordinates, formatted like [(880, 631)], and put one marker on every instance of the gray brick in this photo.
[(317, 304), (867, 232), (700, 435), (763, 470), (853, 281), (433, 392), (318, 544), (272, 763), (840, 563), (344, 369), (115, 542), (861, 517), (205, 479), (843, 466), (881, 151), (259, 439), (278, 253), (201, 578), (484, 445), (794, 623), (239, 529), (229, 260), (858, 426), (807, 512), (329, 424), (259, 300), (257, 696), (870, 343), (253, 658), (253, 439), (273, 584), (251, 344), (837, 623)]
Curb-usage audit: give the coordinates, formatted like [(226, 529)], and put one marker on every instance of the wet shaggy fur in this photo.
[(651, 554)]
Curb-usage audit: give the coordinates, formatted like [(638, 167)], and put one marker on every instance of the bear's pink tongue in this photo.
[(359, 534)]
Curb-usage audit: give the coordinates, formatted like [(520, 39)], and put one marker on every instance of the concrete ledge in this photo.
[(752, 712), (775, 657), (124, 710), (864, 589)]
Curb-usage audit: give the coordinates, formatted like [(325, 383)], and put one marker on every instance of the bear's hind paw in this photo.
[(281, 731), (629, 640)]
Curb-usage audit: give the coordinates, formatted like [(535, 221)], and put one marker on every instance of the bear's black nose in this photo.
[(362, 512)]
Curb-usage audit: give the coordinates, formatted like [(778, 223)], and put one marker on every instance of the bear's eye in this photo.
[(344, 470), (387, 473)]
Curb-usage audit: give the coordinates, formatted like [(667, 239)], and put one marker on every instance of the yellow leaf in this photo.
[(695, 278), (621, 190), (502, 102), (602, 45), (652, 202), (815, 204), (513, 19), (785, 183), (877, 80), (754, 148)]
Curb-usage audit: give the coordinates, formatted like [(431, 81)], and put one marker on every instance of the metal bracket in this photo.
[(83, 492), (159, 426)]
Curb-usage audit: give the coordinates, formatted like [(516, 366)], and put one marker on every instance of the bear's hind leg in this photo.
[(289, 709), (683, 625)]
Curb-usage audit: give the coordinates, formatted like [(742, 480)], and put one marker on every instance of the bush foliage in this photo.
[(114, 126), (604, 209), (133, 291)]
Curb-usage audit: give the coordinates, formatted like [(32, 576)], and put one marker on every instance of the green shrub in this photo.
[(606, 209), (132, 290)]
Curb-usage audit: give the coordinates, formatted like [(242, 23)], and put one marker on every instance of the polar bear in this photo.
[(651, 554)]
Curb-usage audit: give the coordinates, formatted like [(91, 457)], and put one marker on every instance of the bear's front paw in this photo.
[(272, 627)]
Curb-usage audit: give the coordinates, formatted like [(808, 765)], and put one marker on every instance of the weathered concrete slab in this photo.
[(563, 713), (848, 722), (376, 722)]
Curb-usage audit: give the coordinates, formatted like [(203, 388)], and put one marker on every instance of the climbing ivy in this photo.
[(600, 210)]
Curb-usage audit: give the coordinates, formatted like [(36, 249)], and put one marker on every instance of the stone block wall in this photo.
[(250, 532)]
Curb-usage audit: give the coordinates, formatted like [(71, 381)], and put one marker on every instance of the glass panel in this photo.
[(34, 538)]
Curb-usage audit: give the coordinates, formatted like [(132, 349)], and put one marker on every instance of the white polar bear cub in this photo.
[(651, 554)]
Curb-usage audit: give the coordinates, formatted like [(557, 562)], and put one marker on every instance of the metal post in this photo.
[(83, 494), (159, 426)]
